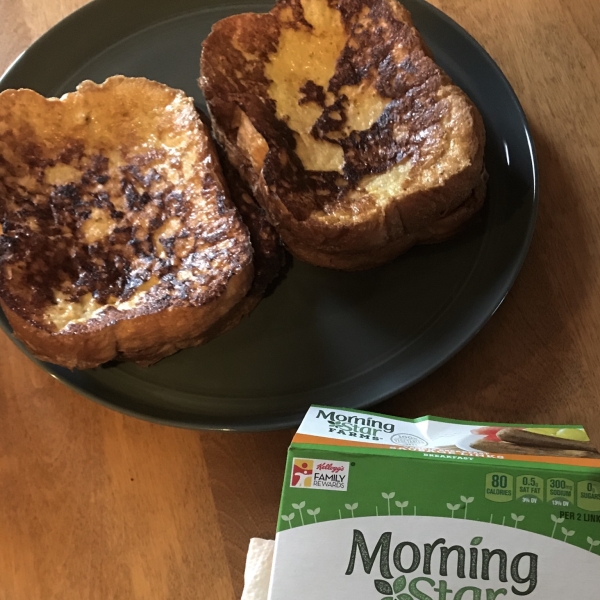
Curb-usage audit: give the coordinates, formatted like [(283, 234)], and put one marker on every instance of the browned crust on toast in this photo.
[(332, 217), (144, 339), (269, 256), (112, 197)]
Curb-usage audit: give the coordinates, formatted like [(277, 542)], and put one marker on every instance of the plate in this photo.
[(323, 337), (467, 442)]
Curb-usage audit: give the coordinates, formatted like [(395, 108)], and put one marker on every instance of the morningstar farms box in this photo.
[(381, 508)]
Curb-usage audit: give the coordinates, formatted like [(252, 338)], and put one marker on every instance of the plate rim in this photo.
[(291, 418)]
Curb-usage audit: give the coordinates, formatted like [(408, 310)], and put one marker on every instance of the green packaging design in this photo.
[(382, 508)]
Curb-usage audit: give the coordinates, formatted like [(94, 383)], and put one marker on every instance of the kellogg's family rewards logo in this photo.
[(320, 474), (493, 572)]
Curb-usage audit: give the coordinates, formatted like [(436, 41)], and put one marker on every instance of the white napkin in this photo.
[(257, 574)]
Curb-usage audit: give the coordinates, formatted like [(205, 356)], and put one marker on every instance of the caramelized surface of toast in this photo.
[(349, 133), (269, 257), (116, 225)]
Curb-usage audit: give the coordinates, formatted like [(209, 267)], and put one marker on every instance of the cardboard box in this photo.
[(381, 508)]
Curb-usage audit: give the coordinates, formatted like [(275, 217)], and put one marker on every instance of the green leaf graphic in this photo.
[(383, 587), (593, 543), (399, 584), (476, 541), (404, 597)]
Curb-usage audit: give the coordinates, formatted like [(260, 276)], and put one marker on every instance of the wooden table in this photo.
[(97, 505)]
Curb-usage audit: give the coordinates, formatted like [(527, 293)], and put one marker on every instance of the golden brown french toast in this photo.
[(354, 141), (118, 237), (269, 257)]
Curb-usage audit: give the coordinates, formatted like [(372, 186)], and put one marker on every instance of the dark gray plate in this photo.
[(325, 337)]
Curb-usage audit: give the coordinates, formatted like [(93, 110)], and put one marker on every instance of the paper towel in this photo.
[(257, 574)]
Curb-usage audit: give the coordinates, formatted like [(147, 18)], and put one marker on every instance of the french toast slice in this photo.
[(269, 256), (354, 141), (118, 237)]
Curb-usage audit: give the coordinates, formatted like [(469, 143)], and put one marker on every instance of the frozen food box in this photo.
[(381, 508)]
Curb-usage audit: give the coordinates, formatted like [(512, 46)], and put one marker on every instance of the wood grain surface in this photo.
[(96, 505)]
